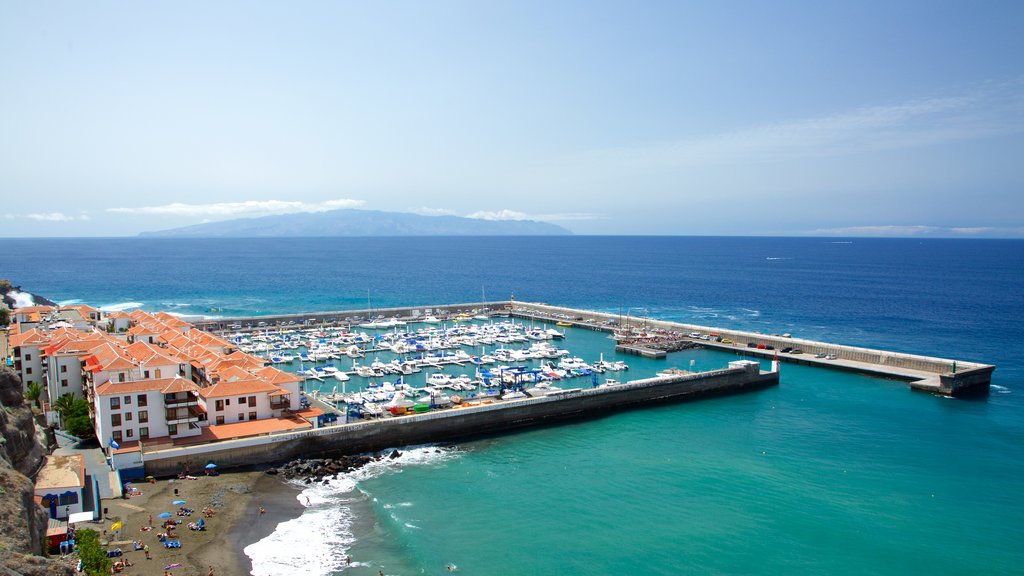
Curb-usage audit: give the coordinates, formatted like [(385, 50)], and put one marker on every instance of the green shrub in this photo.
[(94, 557)]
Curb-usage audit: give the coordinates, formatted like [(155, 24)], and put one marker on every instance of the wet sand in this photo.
[(235, 498)]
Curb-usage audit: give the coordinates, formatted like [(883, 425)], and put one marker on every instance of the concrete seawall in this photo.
[(932, 374), (939, 375), (462, 423)]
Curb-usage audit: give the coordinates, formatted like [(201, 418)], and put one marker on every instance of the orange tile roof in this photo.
[(34, 336), (236, 388), (310, 412), (253, 428), (233, 373), (165, 385), (275, 376)]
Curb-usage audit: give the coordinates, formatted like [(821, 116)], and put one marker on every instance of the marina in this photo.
[(401, 376)]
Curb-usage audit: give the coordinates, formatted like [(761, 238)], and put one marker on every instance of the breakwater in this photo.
[(461, 423), (946, 376), (926, 373)]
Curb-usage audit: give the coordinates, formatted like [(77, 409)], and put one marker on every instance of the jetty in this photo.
[(945, 376), (469, 420)]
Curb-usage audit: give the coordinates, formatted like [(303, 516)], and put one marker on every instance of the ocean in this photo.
[(828, 473)]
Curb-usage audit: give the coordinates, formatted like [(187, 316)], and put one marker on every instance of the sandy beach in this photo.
[(234, 497)]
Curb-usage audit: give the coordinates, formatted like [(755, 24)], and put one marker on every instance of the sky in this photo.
[(872, 118)]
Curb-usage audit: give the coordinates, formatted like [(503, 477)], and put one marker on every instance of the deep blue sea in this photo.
[(829, 473)]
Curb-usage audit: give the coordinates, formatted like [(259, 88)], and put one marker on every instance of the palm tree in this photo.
[(32, 392), (63, 405)]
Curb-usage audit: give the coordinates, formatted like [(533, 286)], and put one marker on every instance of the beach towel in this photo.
[(172, 566)]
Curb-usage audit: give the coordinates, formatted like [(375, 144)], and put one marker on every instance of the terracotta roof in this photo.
[(61, 472), (34, 336), (236, 388), (234, 373), (275, 376), (310, 412), (253, 428), (164, 385)]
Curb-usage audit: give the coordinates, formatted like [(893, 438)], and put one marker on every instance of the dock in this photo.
[(946, 376)]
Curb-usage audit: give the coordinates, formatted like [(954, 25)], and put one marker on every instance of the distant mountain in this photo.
[(359, 223)]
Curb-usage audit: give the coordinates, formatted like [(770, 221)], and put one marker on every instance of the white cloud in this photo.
[(919, 231), (504, 214), (245, 208), (54, 217), (425, 211), (991, 111)]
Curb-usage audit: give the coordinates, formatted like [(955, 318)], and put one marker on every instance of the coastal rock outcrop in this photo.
[(22, 521), (319, 469)]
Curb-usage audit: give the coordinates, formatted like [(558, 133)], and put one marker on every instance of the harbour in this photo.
[(944, 376)]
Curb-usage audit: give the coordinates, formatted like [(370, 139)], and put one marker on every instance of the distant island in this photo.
[(350, 222)]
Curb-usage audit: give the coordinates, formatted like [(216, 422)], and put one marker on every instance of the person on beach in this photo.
[(210, 571), (150, 523), (262, 511), (145, 548)]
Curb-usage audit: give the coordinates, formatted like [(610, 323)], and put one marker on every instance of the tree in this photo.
[(32, 392), (5, 316), (63, 406), (80, 426), (94, 557)]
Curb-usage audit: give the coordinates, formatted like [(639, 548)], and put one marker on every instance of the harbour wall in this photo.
[(932, 374), (460, 423), (941, 375)]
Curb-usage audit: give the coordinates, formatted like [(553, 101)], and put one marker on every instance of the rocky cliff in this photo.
[(22, 521)]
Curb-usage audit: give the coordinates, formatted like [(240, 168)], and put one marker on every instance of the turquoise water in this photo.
[(829, 473)]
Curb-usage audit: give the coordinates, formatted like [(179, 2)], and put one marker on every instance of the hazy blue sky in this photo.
[(605, 117)]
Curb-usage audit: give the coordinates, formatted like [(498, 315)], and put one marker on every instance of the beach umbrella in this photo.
[(211, 466), (164, 515), (178, 502)]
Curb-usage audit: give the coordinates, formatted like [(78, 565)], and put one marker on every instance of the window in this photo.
[(115, 419), (115, 403), (252, 415), (143, 416), (142, 400), (227, 401), (28, 370), (220, 420), (127, 400), (128, 433), (241, 401), (116, 434), (120, 376), (241, 417), (252, 401), (156, 373), (64, 383), (145, 374), (63, 368), (220, 405), (143, 432), (68, 498), (172, 429), (127, 416), (28, 357)]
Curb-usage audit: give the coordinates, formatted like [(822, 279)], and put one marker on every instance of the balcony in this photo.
[(180, 401), (185, 415)]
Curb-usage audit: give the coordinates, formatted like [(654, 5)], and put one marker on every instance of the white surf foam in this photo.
[(21, 299), (120, 306), (69, 302), (318, 542)]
